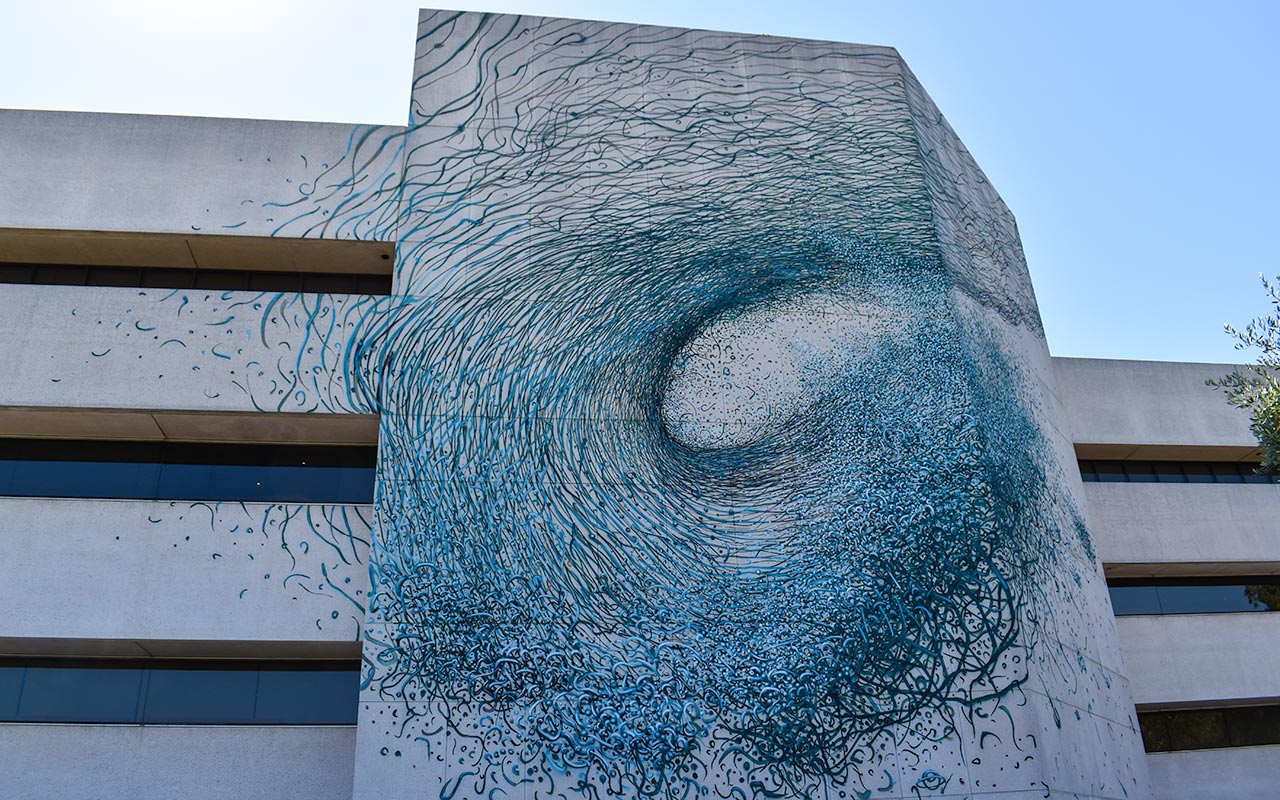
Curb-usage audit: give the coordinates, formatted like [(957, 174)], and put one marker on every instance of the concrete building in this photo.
[(615, 428)]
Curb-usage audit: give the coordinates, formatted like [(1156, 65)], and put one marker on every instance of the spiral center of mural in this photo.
[(751, 371)]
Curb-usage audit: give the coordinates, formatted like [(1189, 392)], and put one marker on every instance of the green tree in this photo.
[(1264, 595), (1256, 389)]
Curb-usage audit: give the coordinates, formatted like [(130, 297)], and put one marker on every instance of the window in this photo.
[(1213, 595), (1102, 471), (177, 471), (1209, 728), (185, 278), (164, 692)]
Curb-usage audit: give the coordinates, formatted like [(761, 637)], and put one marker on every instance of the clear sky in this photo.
[(1136, 142)]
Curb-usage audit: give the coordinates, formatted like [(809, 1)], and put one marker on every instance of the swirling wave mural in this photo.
[(712, 461)]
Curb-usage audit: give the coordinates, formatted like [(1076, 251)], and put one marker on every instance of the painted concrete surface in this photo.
[(1201, 657), (103, 347), (1238, 773), (1166, 524), (138, 570), (125, 172), (156, 762)]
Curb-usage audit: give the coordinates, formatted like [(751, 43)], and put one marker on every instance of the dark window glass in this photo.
[(1209, 728), (1195, 595), (15, 273), (179, 692), (114, 276), (332, 284), (107, 693), (200, 696), (1132, 600), (83, 479), (10, 689), (1155, 732), (168, 279), (1226, 473), (1203, 599), (276, 282), (258, 483), (1263, 596), (373, 284), (1197, 730), (1198, 472), (324, 697), (1252, 475), (1169, 472), (221, 280), (1139, 471), (60, 276), (144, 470), (1110, 471), (1174, 472), (184, 278), (1253, 726)]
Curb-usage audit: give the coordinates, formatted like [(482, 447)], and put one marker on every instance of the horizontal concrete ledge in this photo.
[(1207, 704), (1167, 452), (1120, 403), (163, 762), (178, 648), (1179, 660), (1232, 773), (188, 426), (157, 727), (1181, 524), (195, 251), (1191, 569)]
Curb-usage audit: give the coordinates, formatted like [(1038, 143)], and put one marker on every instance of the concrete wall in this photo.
[(125, 172), (154, 762), (101, 347), (1229, 774), (316, 764), (1168, 524), (1113, 402), (1154, 410), (136, 570), (1194, 658)]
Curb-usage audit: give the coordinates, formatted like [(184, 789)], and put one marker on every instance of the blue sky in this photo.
[(1135, 142)]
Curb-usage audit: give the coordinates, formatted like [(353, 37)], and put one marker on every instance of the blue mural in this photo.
[(712, 456), (695, 476)]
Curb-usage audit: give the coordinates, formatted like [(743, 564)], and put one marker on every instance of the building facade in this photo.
[(659, 413)]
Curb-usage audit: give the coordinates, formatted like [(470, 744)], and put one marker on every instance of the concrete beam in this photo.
[(192, 426), (1228, 774), (162, 762), (1183, 660), (1137, 404), (177, 350), (189, 175), (137, 571), (1171, 524)]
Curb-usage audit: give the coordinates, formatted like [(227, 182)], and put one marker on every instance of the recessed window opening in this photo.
[(1191, 595), (187, 278), (1209, 728), (180, 471), (1115, 471), (186, 692)]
